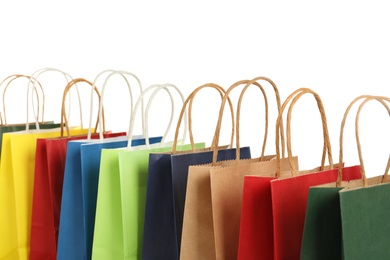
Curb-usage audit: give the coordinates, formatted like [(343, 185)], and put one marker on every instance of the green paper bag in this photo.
[(365, 210), (322, 231), (365, 222), (344, 220)]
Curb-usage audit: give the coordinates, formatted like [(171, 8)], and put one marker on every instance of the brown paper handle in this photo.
[(341, 154), (327, 146), (386, 175), (362, 169), (238, 114), (266, 116), (14, 77), (64, 120), (190, 99), (248, 83), (217, 131)]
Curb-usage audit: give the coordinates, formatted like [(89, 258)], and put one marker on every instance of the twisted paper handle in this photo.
[(189, 100), (34, 79), (12, 78), (238, 113), (326, 147), (64, 120), (124, 75), (157, 88)]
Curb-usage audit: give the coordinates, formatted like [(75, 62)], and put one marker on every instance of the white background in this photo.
[(339, 49)]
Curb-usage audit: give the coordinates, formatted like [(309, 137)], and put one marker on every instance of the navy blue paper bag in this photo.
[(165, 197)]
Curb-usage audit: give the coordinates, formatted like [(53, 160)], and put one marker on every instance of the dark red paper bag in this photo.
[(256, 239), (256, 225), (48, 180), (260, 217), (289, 195)]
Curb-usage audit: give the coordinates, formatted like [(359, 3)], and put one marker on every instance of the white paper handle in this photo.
[(34, 78), (112, 73), (157, 88), (11, 78)]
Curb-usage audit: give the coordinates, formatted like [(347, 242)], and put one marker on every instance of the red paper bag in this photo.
[(289, 195), (261, 212), (47, 193)]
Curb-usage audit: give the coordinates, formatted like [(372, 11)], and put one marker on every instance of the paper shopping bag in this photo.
[(163, 224), (109, 165), (322, 227), (364, 233), (18, 164), (80, 188), (289, 195), (288, 219), (90, 167), (364, 210), (122, 192), (48, 182), (80, 180), (256, 223), (19, 151), (322, 237), (48, 173), (208, 220), (130, 248), (116, 172)]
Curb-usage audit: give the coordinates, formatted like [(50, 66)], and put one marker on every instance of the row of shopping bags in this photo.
[(47, 193), (319, 214), (19, 187), (32, 174), (146, 223), (349, 219), (184, 201)]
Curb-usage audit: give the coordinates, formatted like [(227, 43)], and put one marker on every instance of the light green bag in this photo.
[(122, 194), (121, 202)]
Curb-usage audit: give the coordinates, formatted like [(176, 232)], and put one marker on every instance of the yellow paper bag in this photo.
[(16, 189)]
